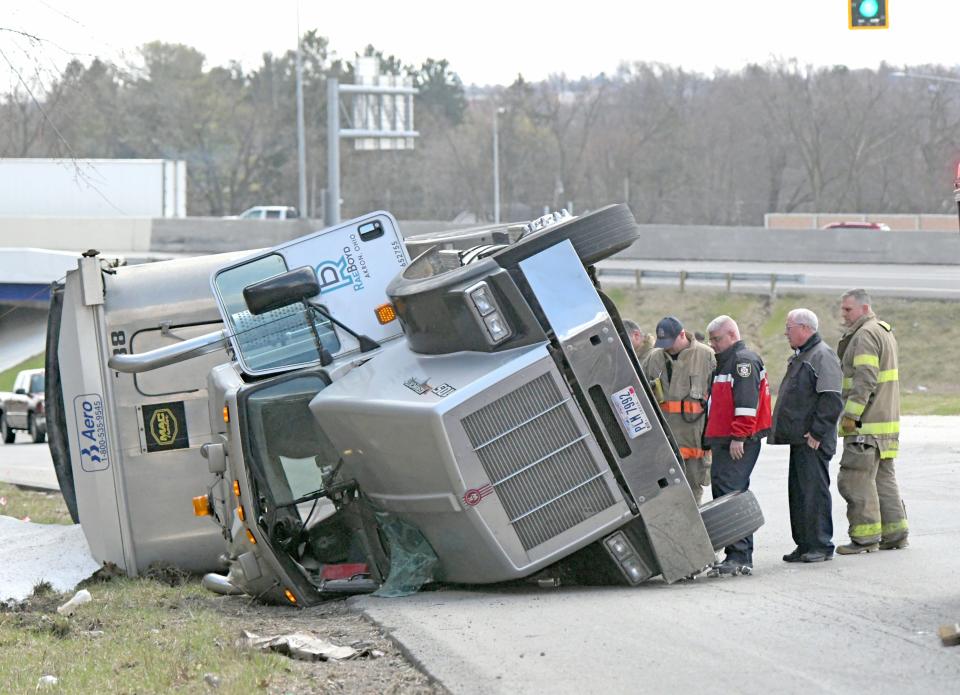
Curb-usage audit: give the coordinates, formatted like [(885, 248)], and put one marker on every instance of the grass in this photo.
[(929, 404), (7, 377), (136, 636), (164, 633), (929, 343), (42, 507)]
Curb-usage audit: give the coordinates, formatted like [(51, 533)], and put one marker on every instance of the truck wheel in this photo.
[(731, 518), (6, 433), (594, 236), (38, 435)]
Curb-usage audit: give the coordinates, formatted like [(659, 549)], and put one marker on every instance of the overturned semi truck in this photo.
[(350, 420)]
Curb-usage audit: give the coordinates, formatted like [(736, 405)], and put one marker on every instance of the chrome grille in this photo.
[(538, 461)]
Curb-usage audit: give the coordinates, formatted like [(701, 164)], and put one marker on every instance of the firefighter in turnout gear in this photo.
[(870, 427), (642, 342), (680, 370)]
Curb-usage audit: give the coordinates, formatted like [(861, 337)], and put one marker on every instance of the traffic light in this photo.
[(868, 14)]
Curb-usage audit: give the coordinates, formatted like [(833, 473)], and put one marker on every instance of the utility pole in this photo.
[(496, 164), (496, 170), (301, 136), (333, 151)]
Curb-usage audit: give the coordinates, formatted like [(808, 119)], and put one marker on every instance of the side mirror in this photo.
[(216, 457), (281, 290), (21, 392)]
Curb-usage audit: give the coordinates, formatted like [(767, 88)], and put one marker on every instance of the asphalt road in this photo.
[(28, 464), (933, 281), (865, 623), (856, 624)]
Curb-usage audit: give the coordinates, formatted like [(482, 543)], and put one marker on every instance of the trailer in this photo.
[(95, 188)]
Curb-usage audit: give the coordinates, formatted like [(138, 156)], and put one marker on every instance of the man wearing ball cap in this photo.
[(680, 369)]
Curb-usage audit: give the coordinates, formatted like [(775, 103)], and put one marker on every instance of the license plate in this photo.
[(632, 415)]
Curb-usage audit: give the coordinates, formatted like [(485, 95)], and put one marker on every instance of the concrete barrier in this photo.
[(896, 222), (199, 235), (122, 234), (679, 242), (216, 235)]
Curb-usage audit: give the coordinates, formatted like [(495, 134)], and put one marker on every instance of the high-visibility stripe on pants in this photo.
[(692, 453), (681, 407), (861, 530)]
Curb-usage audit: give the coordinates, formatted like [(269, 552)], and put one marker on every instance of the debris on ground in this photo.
[(298, 645), (167, 573), (107, 572), (950, 634), (81, 597)]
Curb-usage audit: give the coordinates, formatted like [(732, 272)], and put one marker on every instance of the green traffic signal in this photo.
[(868, 14), (869, 8)]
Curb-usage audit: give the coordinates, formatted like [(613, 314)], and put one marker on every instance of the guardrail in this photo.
[(727, 278)]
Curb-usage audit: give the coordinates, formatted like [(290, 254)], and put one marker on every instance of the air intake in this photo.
[(538, 461)]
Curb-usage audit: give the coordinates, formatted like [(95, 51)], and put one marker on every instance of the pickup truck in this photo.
[(23, 409)]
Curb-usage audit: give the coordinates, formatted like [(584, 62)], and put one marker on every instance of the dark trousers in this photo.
[(811, 508), (727, 475)]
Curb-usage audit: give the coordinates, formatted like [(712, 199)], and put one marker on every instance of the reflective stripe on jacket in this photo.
[(871, 384), (739, 406), (685, 386)]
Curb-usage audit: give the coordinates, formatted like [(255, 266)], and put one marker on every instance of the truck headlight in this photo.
[(482, 300), (625, 555), (486, 311), (496, 327), (617, 544)]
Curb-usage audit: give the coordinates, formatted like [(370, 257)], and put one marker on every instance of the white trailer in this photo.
[(101, 188)]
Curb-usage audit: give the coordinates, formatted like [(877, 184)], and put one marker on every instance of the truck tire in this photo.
[(6, 433), (594, 236), (39, 436), (731, 518)]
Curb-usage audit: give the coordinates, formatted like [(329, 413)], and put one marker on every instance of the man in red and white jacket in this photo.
[(738, 417)]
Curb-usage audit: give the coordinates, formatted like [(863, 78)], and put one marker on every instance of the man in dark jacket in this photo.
[(738, 417), (808, 407)]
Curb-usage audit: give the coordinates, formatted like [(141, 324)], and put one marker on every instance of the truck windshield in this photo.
[(289, 455), (292, 462), (275, 339)]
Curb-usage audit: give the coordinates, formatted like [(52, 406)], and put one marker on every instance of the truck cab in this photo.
[(509, 433)]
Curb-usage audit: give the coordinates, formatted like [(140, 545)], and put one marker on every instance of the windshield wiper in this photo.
[(320, 492)]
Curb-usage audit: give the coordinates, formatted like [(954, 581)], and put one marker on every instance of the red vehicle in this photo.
[(879, 226), (23, 409)]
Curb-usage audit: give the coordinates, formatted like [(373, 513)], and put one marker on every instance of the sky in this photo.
[(488, 42)]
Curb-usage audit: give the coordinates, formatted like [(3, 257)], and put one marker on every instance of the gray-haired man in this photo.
[(805, 417)]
